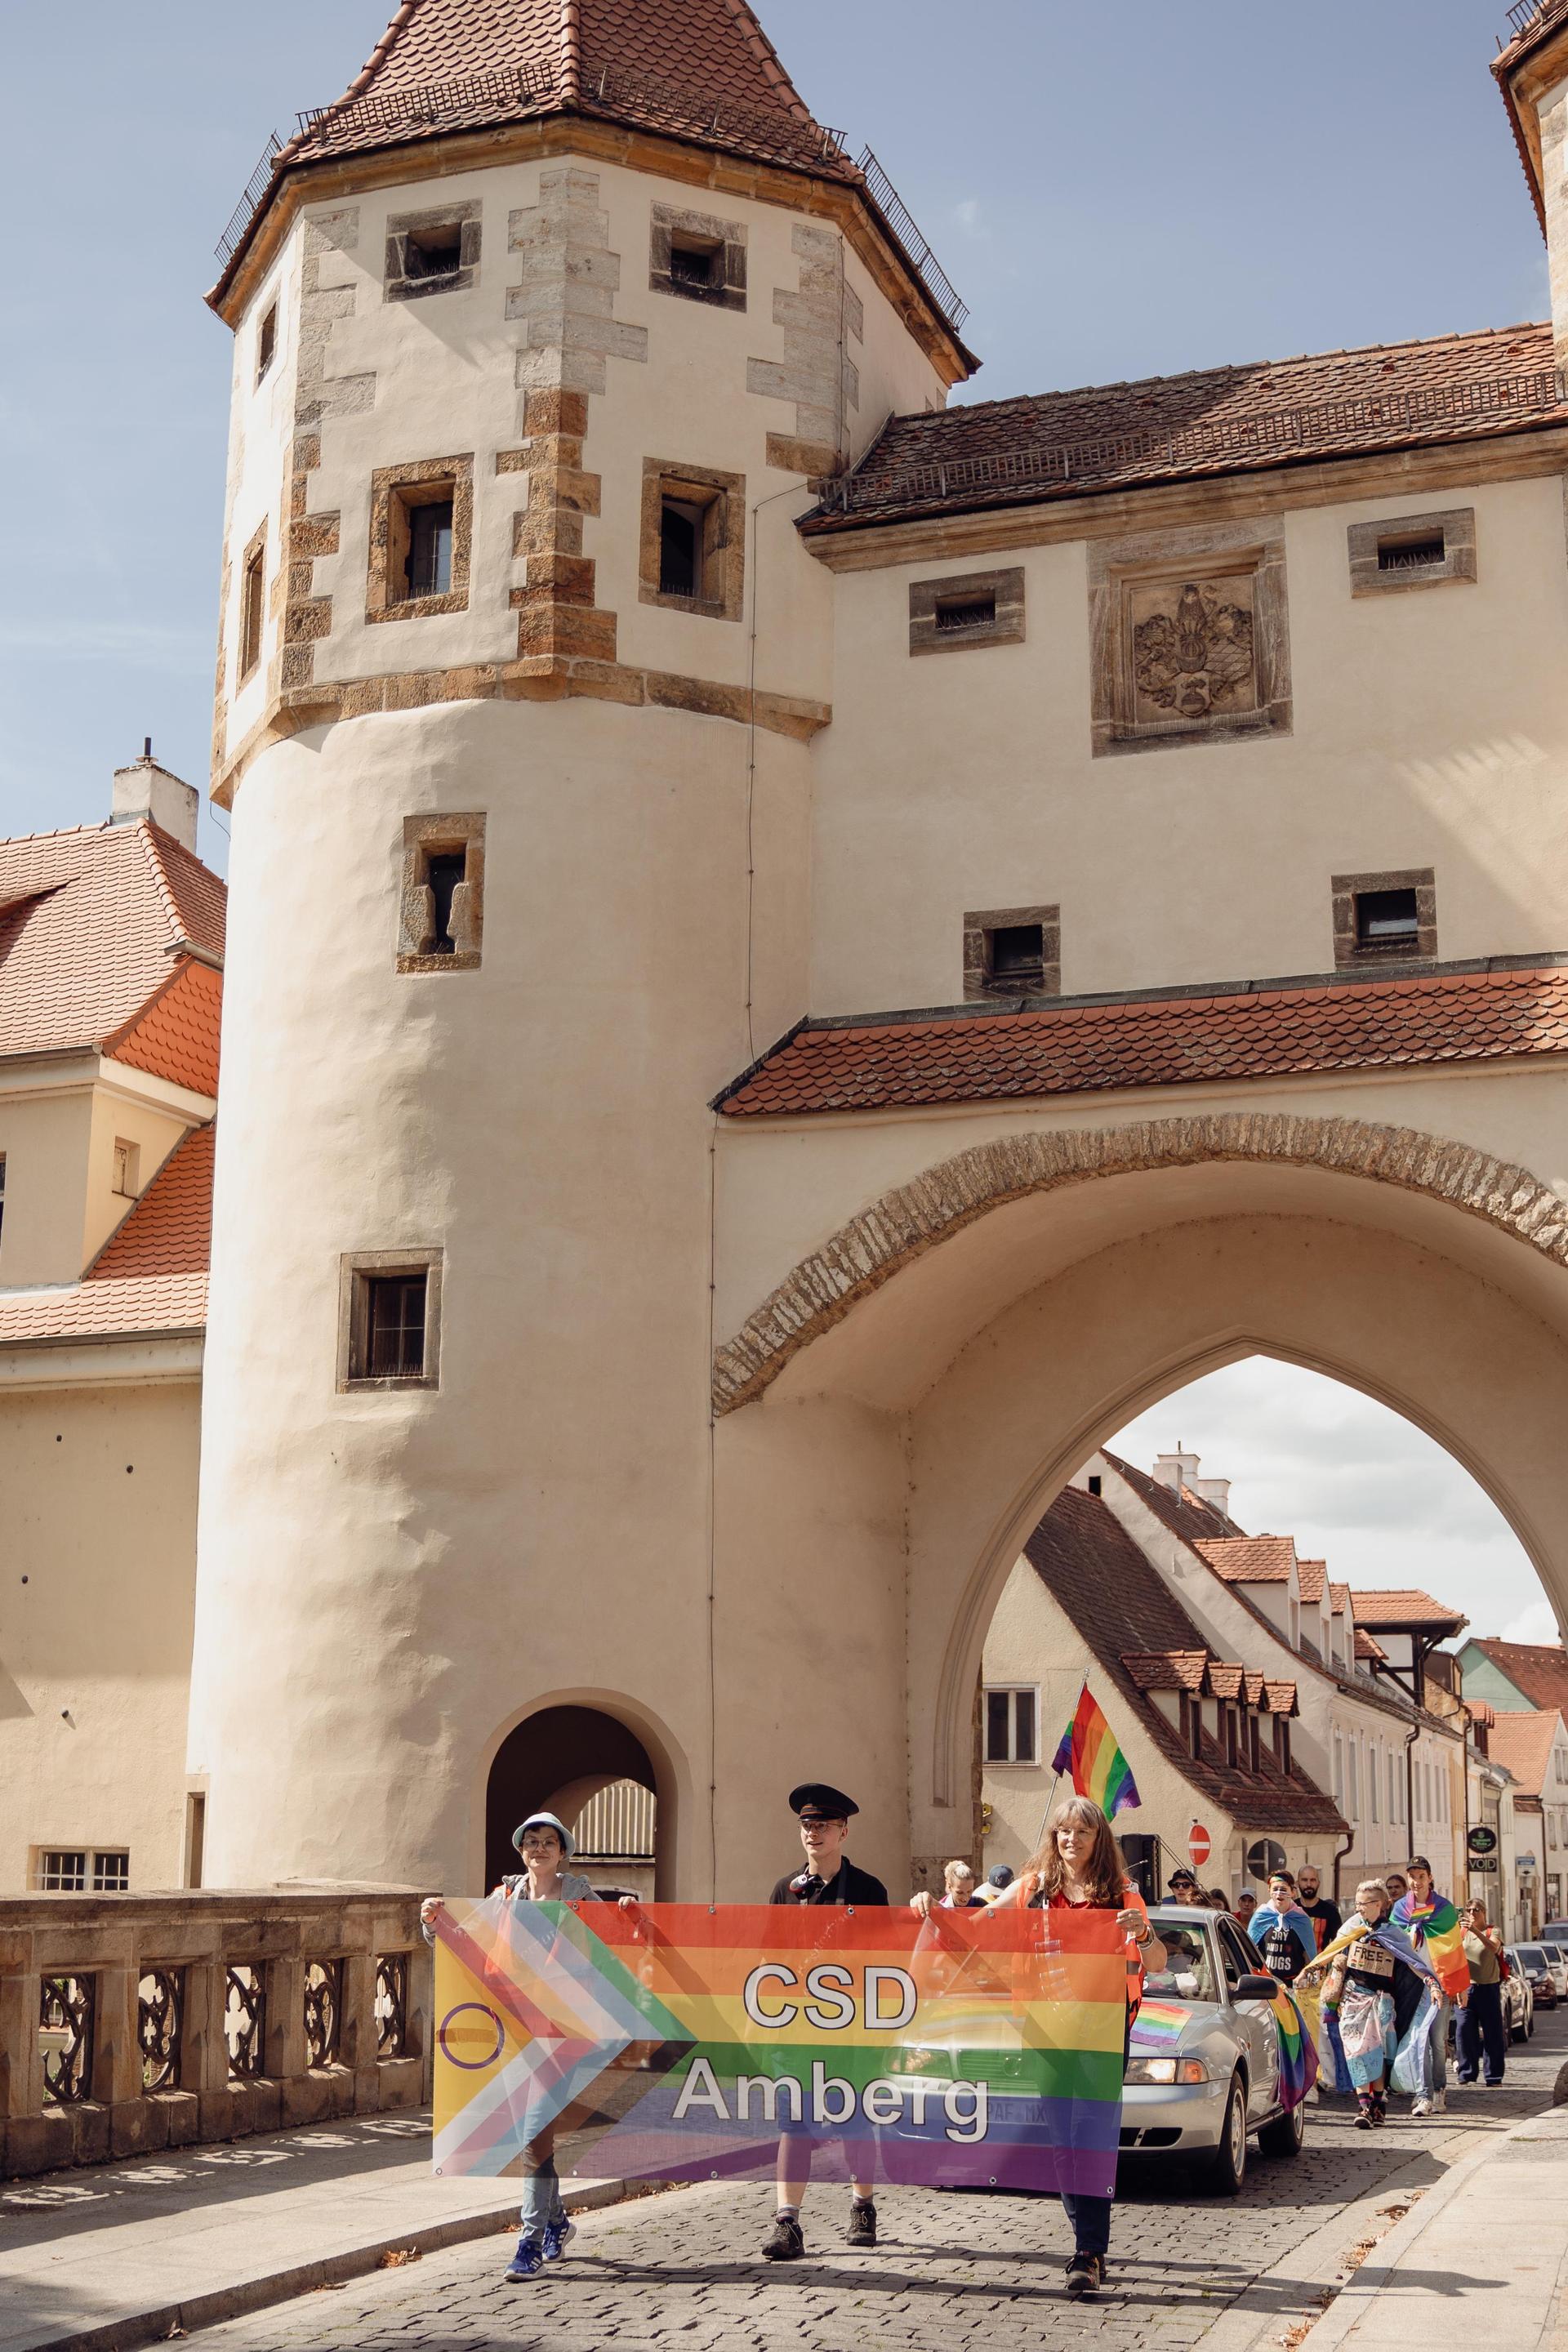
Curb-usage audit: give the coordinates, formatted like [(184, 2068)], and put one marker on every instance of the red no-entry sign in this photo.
[(1199, 1846)]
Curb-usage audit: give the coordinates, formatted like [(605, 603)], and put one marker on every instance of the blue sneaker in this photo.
[(558, 2236), (528, 2260)]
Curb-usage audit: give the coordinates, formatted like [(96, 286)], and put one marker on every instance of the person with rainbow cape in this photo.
[(1435, 1926), (1382, 2002)]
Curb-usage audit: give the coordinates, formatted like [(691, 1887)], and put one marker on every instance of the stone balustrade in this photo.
[(131, 2022)]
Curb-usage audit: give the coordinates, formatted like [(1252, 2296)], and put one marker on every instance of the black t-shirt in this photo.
[(1281, 1952), (847, 1884), (1326, 1919)]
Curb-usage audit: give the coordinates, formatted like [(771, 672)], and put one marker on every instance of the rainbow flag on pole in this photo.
[(1099, 1770), (676, 2042)]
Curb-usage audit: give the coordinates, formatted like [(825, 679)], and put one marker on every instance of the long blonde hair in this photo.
[(1105, 1874)]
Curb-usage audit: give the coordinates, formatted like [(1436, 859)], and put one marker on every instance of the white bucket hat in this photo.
[(546, 1821)]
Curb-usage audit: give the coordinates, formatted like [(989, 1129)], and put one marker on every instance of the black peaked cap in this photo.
[(823, 1797)]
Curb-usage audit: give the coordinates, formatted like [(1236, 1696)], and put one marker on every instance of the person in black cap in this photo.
[(824, 1814)]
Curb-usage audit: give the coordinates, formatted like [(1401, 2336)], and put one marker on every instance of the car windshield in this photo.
[(1188, 1972), (1533, 1955), (1554, 1952)]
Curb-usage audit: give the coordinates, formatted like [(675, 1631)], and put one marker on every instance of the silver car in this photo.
[(1518, 2000), (1218, 2085)]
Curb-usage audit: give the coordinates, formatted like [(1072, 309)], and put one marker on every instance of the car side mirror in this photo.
[(1255, 1988)]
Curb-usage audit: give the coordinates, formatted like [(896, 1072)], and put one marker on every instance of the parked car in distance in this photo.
[(1213, 2083), (1543, 1979), (1518, 1998), (1555, 1932), (1557, 1961)]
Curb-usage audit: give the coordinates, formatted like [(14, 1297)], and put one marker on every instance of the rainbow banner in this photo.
[(1297, 2050), (1438, 1930), (1099, 1770), (676, 2042)]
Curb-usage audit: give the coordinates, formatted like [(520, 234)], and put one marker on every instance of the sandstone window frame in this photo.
[(982, 985), (358, 1269), (405, 231), (440, 834), (1254, 549), (934, 606), (1367, 543), (1350, 952), (252, 605), (673, 231), (266, 341), (722, 498), (394, 491)]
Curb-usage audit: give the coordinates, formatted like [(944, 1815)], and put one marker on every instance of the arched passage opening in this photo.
[(896, 1419), (566, 1760)]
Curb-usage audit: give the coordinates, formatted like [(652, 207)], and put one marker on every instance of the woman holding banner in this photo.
[(1079, 1866)]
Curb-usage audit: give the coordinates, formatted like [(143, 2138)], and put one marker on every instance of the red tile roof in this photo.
[(1143, 1640), (149, 1280), (1314, 1575), (1539, 1669), (1404, 1607), (1340, 1598), (91, 927), (1214, 421), (175, 1035), (1523, 1742), (899, 1064), (1186, 1514), (703, 69), (1249, 1560), (1366, 1647)]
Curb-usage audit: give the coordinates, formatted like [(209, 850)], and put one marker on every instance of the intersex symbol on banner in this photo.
[(676, 2042)]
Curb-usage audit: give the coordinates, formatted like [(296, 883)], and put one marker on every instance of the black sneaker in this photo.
[(783, 2242), (1086, 2275), (862, 2230)]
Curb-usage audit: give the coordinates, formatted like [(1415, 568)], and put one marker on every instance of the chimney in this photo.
[(146, 790), (1215, 1492), (1176, 1470)]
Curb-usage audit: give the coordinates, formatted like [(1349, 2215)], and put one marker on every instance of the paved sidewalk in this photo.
[(118, 2254), (1492, 2235)]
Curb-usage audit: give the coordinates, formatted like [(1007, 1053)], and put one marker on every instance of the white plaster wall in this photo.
[(97, 1495), (1428, 730), (389, 1582), (44, 1137)]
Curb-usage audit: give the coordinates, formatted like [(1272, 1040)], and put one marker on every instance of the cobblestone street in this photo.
[(682, 2268)]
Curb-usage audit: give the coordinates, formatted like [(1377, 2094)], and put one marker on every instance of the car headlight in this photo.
[(1167, 2070)]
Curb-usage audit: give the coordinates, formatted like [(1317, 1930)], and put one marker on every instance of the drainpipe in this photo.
[(1343, 1851), (1411, 1738)]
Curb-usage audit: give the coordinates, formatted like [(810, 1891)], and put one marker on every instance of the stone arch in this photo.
[(559, 1749), (914, 1218)]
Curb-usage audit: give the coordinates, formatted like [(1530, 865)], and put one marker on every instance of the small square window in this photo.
[(1423, 551), (698, 258), (693, 540), (127, 1169), (1384, 918), (111, 1872), (252, 603), (441, 917), (420, 529), (389, 1319), (1400, 553), (266, 342), (1012, 951), (966, 612), (1011, 1724), (434, 252), (974, 608)]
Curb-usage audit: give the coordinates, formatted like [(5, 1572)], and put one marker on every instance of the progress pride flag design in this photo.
[(678, 2042)]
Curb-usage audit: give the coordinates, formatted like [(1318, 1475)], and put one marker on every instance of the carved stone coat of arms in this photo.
[(1193, 655)]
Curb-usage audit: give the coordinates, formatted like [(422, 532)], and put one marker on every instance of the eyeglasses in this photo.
[(820, 1822)]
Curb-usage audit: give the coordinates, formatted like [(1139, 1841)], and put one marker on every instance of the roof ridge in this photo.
[(59, 833), (133, 1021), (570, 51), (768, 57)]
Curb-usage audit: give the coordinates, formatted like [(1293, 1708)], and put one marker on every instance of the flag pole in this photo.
[(1050, 1800)]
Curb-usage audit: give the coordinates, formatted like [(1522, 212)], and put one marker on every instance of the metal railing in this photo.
[(1276, 432), (938, 284), (141, 2022), (433, 107), (245, 212)]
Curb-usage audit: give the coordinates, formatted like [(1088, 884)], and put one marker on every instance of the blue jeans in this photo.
[(540, 2199), (1090, 2219), (1481, 2028)]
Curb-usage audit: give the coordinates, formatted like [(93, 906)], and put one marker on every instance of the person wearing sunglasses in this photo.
[(1184, 1888), (824, 1814)]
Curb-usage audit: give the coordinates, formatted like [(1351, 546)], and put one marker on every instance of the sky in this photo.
[(1355, 1483), (1116, 192)]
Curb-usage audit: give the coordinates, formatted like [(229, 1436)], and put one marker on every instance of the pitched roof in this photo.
[(97, 923), (1137, 1629), (1405, 1608), (1523, 1743), (1340, 1598), (1539, 1669), (1249, 1560), (1314, 1577), (150, 1279), (1050, 446), (1186, 1514), (888, 1062), (1366, 1646), (703, 68)]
